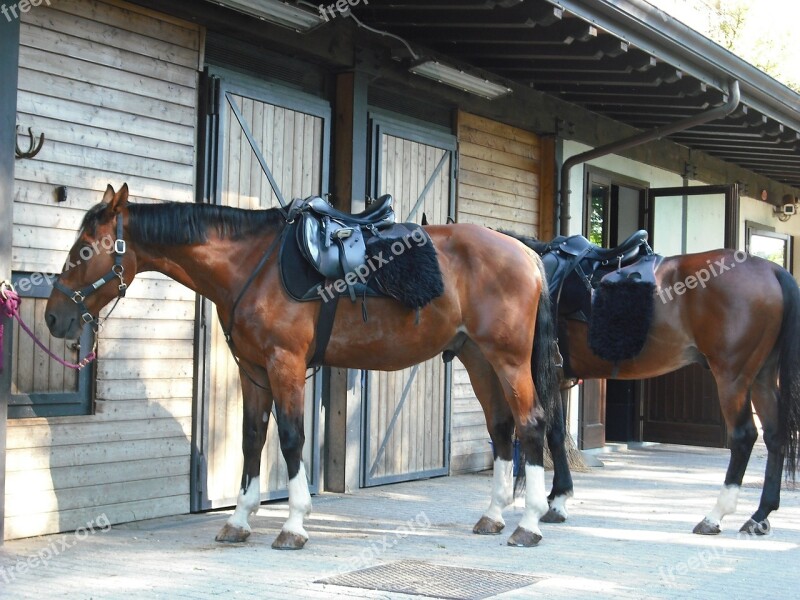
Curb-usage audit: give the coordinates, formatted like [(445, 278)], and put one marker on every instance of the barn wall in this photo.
[(114, 89), (499, 186)]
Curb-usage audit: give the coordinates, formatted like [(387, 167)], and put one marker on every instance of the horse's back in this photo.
[(492, 274), (480, 247)]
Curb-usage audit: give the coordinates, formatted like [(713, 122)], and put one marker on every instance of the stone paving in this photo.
[(628, 536)]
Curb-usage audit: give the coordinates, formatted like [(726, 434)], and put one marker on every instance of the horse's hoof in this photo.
[(289, 541), (553, 516), (487, 526), (231, 534), (524, 538), (755, 528), (706, 527)]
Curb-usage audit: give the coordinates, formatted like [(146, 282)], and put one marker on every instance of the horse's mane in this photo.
[(182, 223), (531, 242)]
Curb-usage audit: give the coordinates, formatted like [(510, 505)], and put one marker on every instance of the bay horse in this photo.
[(494, 301), (737, 315)]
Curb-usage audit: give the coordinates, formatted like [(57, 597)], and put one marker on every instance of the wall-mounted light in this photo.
[(459, 79), (293, 15)]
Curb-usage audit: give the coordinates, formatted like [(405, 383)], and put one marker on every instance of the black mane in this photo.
[(531, 242), (182, 223)]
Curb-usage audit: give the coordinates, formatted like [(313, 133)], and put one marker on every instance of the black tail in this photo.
[(789, 378), (543, 365)]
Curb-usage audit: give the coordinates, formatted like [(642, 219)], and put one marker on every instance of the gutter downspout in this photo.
[(636, 140)]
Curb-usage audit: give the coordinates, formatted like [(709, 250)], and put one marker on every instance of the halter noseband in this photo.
[(79, 297)]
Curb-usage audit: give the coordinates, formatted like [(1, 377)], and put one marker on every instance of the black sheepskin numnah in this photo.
[(412, 277), (622, 313)]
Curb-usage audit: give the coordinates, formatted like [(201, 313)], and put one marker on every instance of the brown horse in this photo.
[(482, 317), (739, 316)]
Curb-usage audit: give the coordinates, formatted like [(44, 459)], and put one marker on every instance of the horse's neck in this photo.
[(215, 269)]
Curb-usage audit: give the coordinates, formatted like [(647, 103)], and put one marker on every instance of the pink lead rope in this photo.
[(9, 301)]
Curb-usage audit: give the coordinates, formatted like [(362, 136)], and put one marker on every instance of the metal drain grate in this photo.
[(418, 578)]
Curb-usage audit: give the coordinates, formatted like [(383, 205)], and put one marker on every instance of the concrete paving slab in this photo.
[(628, 536)]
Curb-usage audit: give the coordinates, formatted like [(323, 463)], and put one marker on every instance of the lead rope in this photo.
[(10, 301)]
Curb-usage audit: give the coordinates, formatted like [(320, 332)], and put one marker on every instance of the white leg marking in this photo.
[(299, 503), (559, 505), (502, 490), (535, 498), (246, 504), (726, 504)]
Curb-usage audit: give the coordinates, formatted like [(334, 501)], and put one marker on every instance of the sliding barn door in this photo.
[(407, 412), (290, 135)]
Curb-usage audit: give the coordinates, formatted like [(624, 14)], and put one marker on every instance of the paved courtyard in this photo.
[(629, 536)]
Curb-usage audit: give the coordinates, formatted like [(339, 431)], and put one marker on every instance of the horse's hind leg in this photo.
[(531, 431), (256, 411), (737, 410), (562, 478), (765, 399), (742, 439), (529, 419), (500, 424)]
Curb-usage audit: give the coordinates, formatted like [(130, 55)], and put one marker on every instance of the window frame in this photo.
[(612, 181), (47, 404), (754, 228)]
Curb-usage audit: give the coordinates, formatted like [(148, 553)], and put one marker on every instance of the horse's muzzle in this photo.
[(64, 324)]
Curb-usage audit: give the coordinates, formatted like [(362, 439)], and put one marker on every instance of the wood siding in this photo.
[(113, 87), (499, 183)]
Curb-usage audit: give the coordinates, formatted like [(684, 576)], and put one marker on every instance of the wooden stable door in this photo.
[(683, 407), (407, 412), (292, 143)]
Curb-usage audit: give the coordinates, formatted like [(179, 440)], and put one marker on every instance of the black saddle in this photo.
[(623, 254), (378, 214), (575, 255), (334, 242)]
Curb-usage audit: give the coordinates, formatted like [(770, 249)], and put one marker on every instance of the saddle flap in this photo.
[(331, 247)]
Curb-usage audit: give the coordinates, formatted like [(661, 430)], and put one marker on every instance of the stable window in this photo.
[(41, 387), (765, 242)]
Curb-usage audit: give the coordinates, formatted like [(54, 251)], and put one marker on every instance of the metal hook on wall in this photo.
[(34, 147)]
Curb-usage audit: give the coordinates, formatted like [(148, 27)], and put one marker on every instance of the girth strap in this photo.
[(327, 313)]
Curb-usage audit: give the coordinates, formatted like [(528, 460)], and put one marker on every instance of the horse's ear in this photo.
[(424, 219), (107, 197), (120, 199)]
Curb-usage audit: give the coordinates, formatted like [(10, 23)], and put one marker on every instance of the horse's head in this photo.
[(98, 269)]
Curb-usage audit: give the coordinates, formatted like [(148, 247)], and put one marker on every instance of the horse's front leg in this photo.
[(256, 411), (288, 383)]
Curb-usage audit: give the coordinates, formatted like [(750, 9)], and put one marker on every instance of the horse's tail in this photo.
[(543, 364), (789, 375)]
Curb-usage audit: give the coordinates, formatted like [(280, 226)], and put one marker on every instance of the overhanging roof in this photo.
[(623, 59)]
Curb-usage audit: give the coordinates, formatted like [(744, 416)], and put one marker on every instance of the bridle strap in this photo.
[(79, 297)]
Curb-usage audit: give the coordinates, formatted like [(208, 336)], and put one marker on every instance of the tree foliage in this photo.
[(751, 30)]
